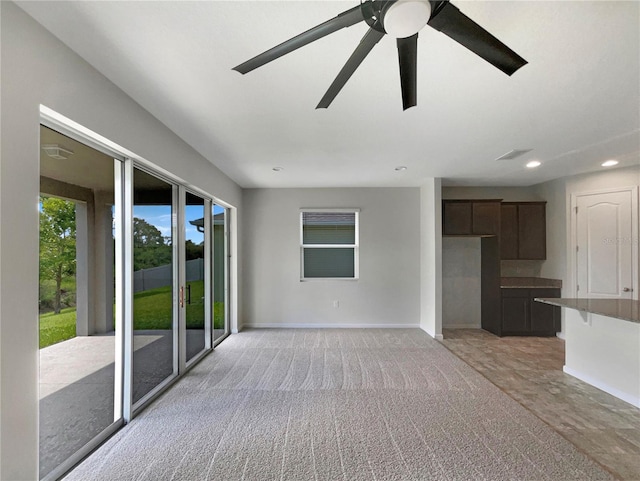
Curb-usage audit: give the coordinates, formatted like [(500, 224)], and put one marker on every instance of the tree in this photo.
[(145, 234), (150, 247), (193, 250), (57, 243)]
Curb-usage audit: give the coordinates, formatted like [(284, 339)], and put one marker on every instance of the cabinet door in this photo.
[(456, 218), (544, 317), (515, 311), (532, 231), (486, 218), (509, 231)]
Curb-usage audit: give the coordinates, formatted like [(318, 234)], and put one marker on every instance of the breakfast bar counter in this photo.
[(602, 344), (625, 309)]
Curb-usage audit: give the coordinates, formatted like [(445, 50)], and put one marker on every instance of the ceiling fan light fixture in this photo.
[(404, 18), (57, 152)]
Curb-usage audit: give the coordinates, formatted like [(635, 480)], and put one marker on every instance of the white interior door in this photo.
[(606, 244)]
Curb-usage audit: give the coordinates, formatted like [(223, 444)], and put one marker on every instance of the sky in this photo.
[(160, 217)]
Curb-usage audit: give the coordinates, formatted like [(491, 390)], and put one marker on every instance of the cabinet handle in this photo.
[(627, 289)]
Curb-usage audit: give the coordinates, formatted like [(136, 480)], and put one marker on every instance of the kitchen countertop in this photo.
[(625, 309), (530, 282)]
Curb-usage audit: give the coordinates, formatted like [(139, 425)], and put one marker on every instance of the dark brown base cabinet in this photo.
[(522, 316)]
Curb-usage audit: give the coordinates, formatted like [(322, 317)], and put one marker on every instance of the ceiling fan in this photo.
[(402, 19)]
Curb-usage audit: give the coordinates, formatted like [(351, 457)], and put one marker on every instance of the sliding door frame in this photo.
[(124, 164), (227, 270), (208, 284), (47, 119), (135, 408)]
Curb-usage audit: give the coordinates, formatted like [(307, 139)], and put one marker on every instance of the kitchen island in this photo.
[(602, 344)]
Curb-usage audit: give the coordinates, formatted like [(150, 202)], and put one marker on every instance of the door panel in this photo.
[(154, 326), (196, 283), (604, 267), (515, 314), (220, 238), (509, 231), (456, 218), (543, 317), (79, 381), (532, 235)]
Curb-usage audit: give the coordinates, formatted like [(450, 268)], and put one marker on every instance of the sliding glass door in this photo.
[(134, 273), (79, 368), (154, 283), (197, 276), (220, 216)]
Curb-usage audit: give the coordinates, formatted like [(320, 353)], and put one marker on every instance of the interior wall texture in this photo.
[(507, 194), (461, 279), (38, 69), (387, 293), (431, 257)]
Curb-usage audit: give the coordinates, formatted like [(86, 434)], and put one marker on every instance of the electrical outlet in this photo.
[(336, 303)]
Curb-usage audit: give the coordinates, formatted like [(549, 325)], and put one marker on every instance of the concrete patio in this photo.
[(77, 386)]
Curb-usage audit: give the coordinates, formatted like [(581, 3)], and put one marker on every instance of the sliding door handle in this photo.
[(181, 296)]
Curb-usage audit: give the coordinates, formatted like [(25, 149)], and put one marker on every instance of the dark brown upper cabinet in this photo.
[(456, 217), (486, 217), (471, 217), (523, 231)]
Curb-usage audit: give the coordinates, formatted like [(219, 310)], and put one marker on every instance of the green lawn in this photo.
[(57, 327), (151, 310)]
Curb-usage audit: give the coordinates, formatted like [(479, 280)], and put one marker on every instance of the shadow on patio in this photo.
[(77, 386)]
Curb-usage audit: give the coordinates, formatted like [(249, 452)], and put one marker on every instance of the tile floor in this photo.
[(529, 369)]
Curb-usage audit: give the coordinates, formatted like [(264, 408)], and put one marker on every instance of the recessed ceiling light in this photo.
[(277, 169), (400, 168), (609, 163), (533, 164)]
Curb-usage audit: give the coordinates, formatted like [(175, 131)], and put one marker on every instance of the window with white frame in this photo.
[(329, 244)]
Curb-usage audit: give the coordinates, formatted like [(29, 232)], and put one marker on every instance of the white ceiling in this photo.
[(576, 104)]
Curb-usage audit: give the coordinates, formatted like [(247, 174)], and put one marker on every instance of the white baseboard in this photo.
[(437, 337), (633, 400), (560, 335), (309, 325)]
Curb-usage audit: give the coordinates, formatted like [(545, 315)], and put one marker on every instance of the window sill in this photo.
[(314, 279)]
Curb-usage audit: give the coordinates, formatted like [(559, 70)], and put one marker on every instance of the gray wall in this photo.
[(507, 194), (388, 291), (461, 282), (38, 69)]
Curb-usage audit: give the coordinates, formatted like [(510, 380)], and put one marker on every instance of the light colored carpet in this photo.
[(348, 404)]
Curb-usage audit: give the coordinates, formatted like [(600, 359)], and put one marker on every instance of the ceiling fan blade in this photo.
[(370, 39), (345, 19), (408, 57), (453, 23)]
